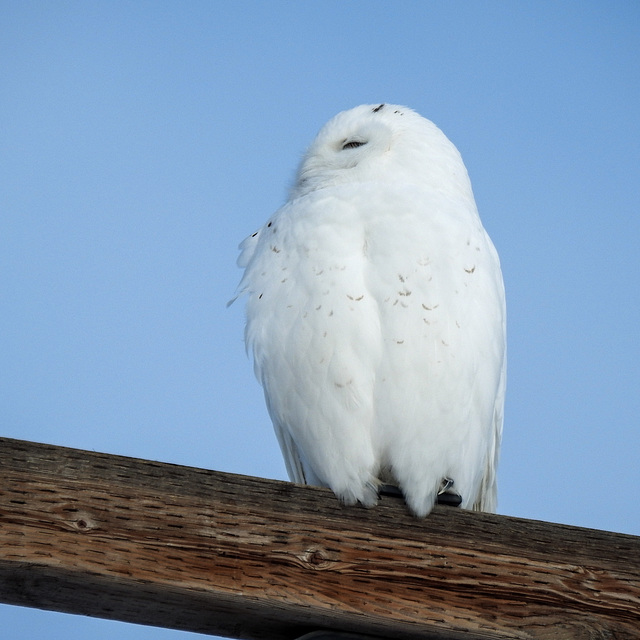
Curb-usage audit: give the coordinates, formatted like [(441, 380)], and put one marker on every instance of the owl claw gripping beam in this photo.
[(376, 317)]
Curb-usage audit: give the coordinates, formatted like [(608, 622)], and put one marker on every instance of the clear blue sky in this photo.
[(142, 141)]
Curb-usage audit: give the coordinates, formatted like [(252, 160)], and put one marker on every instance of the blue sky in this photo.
[(142, 141)]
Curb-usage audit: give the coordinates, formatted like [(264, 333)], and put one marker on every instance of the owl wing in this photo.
[(314, 337), (298, 469), (487, 499), (437, 280)]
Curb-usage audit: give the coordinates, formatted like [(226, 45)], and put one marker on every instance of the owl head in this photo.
[(381, 143)]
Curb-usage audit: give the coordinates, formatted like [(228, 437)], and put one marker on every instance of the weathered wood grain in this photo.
[(243, 557)]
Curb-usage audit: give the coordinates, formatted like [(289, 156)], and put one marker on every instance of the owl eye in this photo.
[(352, 144)]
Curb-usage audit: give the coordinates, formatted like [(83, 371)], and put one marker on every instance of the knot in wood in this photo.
[(83, 521), (71, 517), (317, 559)]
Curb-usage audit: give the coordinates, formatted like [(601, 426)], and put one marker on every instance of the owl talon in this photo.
[(447, 495), (390, 490), (452, 499)]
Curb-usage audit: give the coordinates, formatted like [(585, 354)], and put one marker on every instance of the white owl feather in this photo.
[(376, 316)]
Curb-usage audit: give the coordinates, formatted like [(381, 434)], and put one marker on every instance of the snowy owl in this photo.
[(376, 317)]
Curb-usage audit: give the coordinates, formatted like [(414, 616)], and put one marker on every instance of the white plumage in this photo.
[(376, 316)]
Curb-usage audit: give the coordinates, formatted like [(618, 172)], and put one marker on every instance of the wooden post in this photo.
[(216, 553)]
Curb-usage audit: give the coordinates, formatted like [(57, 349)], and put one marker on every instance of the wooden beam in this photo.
[(217, 553)]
